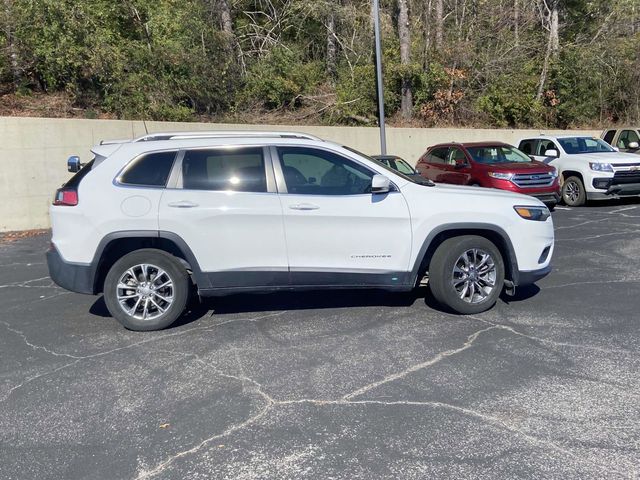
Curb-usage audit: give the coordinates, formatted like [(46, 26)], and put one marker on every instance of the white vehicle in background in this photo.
[(589, 168), (626, 139), (147, 219)]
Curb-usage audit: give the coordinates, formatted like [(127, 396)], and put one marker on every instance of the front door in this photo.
[(339, 233), (228, 213)]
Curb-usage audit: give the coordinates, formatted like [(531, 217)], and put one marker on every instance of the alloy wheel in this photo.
[(474, 275)]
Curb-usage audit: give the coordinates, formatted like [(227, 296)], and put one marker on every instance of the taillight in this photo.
[(68, 198)]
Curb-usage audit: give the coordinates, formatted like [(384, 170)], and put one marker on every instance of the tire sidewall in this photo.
[(449, 252), (171, 266), (581, 194)]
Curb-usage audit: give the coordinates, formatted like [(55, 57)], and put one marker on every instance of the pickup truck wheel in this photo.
[(146, 290), (573, 193), (466, 274)]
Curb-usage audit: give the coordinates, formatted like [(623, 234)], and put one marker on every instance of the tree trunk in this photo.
[(225, 18), (11, 47), (439, 24), (405, 57), (553, 46), (331, 46), (426, 22), (516, 22)]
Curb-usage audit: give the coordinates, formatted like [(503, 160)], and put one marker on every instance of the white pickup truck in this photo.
[(589, 168)]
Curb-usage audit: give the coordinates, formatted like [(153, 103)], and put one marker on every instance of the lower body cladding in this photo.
[(80, 278), (550, 199)]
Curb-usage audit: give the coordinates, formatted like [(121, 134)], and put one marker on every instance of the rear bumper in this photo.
[(532, 276), (70, 276)]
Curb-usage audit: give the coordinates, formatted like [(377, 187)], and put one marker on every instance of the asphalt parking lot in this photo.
[(349, 385)]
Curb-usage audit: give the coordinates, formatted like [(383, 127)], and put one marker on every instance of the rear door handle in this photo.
[(183, 204), (304, 206)]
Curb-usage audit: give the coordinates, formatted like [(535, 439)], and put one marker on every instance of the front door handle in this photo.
[(183, 204), (304, 206)]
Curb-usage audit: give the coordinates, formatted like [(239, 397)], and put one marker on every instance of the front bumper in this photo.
[(547, 198), (614, 190), (531, 277), (70, 276)]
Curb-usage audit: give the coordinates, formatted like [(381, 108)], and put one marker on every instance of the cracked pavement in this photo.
[(344, 385)]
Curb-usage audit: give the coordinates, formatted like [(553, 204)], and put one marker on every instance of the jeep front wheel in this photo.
[(146, 290), (466, 274)]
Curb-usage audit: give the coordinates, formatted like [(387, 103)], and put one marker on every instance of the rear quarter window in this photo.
[(149, 170), (608, 137)]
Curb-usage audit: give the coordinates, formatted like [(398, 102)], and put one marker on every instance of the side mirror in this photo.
[(73, 164), (380, 184), (460, 164), (633, 146), (551, 153)]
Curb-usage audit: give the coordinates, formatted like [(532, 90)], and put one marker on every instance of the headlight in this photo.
[(600, 167), (554, 173), (538, 214), (501, 176)]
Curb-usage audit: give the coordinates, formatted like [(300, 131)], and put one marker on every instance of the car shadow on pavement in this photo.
[(311, 300)]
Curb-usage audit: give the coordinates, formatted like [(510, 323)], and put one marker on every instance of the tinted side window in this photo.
[(627, 137), (310, 171), (545, 145), (527, 146), (240, 170), (150, 170), (438, 155), (608, 137), (75, 180)]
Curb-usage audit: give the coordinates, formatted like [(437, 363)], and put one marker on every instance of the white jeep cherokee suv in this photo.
[(147, 219), (589, 168)]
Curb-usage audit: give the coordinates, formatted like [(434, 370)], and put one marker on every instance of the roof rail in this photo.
[(222, 134)]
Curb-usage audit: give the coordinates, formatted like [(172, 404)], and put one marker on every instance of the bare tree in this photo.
[(10, 39), (331, 45), (550, 21), (225, 17), (439, 23), (516, 21), (404, 33)]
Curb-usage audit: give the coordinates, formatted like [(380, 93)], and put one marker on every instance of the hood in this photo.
[(517, 167), (606, 157), (477, 192)]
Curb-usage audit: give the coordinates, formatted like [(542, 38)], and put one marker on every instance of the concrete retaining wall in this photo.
[(33, 152)]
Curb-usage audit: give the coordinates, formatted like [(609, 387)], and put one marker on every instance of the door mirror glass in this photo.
[(73, 164), (551, 153), (460, 163), (634, 145), (380, 184)]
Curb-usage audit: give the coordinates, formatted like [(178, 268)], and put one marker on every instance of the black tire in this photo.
[(178, 292), (551, 206), (441, 274), (573, 193)]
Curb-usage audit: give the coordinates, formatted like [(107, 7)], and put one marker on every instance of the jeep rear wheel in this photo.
[(467, 274), (146, 290)]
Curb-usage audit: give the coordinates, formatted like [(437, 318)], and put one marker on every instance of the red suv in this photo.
[(493, 165)]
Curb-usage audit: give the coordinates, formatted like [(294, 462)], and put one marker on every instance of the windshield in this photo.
[(577, 145), (404, 167), (497, 154), (413, 179)]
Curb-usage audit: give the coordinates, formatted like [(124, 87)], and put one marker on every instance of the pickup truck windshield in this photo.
[(497, 154), (578, 145)]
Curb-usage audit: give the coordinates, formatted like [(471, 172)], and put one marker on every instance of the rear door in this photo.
[(432, 164), (337, 231), (225, 207), (457, 169)]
